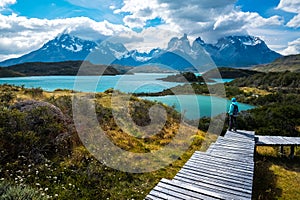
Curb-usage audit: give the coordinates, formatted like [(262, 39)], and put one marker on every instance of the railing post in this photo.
[(292, 153), (281, 150)]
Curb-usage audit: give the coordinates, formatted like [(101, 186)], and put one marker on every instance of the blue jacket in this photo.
[(231, 107)]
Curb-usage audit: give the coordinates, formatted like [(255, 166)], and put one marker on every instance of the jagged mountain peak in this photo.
[(117, 50), (199, 40), (246, 40), (69, 43), (180, 45)]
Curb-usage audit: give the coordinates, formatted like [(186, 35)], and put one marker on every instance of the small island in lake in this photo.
[(186, 77)]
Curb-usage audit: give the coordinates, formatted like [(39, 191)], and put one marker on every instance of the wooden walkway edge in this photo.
[(225, 171), (278, 141)]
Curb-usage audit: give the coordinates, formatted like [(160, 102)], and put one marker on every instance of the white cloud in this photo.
[(294, 22), (5, 3), (208, 19), (19, 35), (291, 6), (146, 40), (244, 20), (293, 48), (141, 11)]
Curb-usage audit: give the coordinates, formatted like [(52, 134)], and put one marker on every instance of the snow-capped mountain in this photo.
[(107, 53), (232, 51), (62, 48), (180, 55), (239, 51)]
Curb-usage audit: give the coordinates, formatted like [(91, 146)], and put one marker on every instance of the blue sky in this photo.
[(144, 24)]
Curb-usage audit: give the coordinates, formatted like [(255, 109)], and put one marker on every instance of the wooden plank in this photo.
[(230, 167), (233, 148), (236, 166), (229, 183), (224, 173), (234, 156), (297, 141), (162, 193), (274, 140), (292, 140), (228, 157), (231, 135), (240, 133), (236, 140), (224, 190), (221, 188), (242, 138), (277, 141), (154, 195), (287, 141), (234, 144), (232, 153), (224, 161), (227, 151), (188, 191), (193, 179), (217, 173)]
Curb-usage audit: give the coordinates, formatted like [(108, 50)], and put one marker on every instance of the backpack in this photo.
[(235, 110)]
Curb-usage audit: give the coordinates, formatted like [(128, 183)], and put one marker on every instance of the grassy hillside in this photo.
[(286, 63), (4, 72), (41, 152), (57, 68)]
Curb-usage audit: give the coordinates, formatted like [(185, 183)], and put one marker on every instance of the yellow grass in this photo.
[(287, 180), (255, 91), (276, 176)]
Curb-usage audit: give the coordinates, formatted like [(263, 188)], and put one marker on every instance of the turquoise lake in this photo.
[(140, 82), (192, 106), (196, 106)]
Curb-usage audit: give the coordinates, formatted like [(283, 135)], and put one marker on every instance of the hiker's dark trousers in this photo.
[(232, 122)]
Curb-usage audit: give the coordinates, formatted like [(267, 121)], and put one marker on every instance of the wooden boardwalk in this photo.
[(225, 171), (278, 141)]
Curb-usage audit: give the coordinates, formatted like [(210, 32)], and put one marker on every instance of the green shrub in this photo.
[(12, 192), (273, 119), (34, 92)]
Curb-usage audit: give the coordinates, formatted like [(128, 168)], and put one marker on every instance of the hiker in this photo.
[(233, 112)]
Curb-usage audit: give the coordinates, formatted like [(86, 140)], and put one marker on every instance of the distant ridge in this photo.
[(65, 68), (226, 72), (231, 51), (286, 63)]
